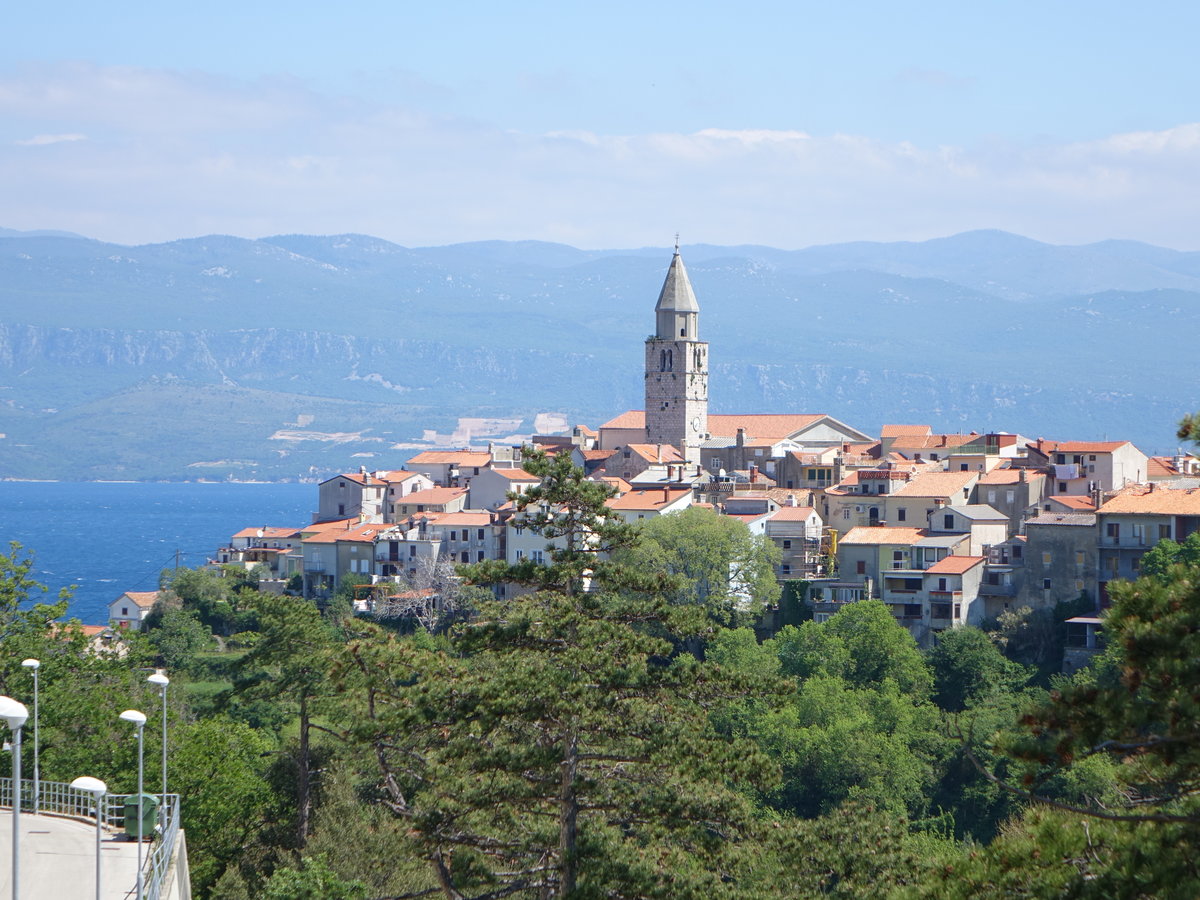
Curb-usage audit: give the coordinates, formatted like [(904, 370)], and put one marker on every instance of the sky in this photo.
[(603, 125)]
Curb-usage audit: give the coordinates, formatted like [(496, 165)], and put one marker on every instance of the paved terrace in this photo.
[(58, 849), (58, 859)]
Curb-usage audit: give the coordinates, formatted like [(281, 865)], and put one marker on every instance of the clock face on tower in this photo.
[(696, 424)]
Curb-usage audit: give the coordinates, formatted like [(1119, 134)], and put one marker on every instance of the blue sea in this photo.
[(107, 538)]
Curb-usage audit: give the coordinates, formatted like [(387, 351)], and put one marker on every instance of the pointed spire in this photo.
[(677, 294)]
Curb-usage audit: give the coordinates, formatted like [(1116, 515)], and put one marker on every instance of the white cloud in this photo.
[(44, 140), (170, 154)]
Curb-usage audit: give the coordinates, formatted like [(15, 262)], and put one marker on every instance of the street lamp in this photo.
[(162, 681), (33, 665), (15, 714), (138, 719), (97, 789)]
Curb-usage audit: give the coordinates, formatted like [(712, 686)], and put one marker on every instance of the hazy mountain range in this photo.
[(297, 356)]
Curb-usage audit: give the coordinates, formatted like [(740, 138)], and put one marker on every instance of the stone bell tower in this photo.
[(677, 368)]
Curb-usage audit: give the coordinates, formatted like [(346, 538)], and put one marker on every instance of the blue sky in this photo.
[(603, 125)]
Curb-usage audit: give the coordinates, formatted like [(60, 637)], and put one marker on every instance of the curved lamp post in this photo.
[(160, 679), (15, 714), (34, 665), (138, 719), (97, 789)]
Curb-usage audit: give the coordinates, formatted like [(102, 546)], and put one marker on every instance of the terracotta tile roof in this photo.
[(921, 443), (1073, 504), (657, 452), (954, 565), (1010, 476), (1044, 446), (444, 457), (584, 430), (1154, 500), (274, 533), (593, 455), (470, 519), (793, 514), (140, 599), (514, 475), (881, 534), (434, 496), (398, 476), (653, 498), (760, 426), (936, 484), (889, 431), (361, 533)]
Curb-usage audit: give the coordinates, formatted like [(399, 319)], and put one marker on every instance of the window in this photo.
[(991, 495), (1061, 459), (1045, 557), (962, 467), (1136, 562), (1045, 584), (1113, 530), (1010, 497), (454, 535), (860, 567), (846, 513), (536, 556), (785, 569), (341, 509), (958, 610), (1062, 487), (1079, 557), (787, 545), (412, 550), (948, 521), (941, 584), (901, 514), (1114, 565), (1017, 551), (466, 557), (714, 463), (520, 555), (479, 556), (480, 535), (124, 610), (1164, 532)]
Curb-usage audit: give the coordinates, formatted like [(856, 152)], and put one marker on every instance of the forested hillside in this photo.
[(621, 732)]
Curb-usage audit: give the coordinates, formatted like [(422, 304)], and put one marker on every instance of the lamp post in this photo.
[(97, 789), (162, 681), (138, 719), (33, 665), (15, 714)]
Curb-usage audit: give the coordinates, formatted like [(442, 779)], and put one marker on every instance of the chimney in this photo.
[(666, 494), (659, 453), (741, 437), (791, 500), (753, 473), (1022, 475)]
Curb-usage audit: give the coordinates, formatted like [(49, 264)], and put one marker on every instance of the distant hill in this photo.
[(296, 356)]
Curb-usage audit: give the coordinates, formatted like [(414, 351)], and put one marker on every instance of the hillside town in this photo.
[(946, 529)]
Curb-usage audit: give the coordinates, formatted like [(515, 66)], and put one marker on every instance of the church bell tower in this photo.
[(677, 368)]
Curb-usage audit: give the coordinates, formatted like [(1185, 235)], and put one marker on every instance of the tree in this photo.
[(967, 666), (432, 597), (290, 662), (1159, 561), (178, 637), (25, 624), (314, 880), (719, 564), (560, 751), (879, 648)]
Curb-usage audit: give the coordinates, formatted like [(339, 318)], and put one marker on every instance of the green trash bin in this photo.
[(149, 816)]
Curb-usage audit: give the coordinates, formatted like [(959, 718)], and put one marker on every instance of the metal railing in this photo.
[(61, 799)]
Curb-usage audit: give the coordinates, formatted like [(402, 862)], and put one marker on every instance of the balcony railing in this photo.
[(62, 799)]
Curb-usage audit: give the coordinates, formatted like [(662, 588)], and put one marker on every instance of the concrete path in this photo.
[(58, 859)]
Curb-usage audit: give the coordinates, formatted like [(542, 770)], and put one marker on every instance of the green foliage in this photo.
[(967, 666), (879, 648), (1160, 560), (811, 649), (179, 637), (218, 767), (314, 880), (24, 621), (794, 607), (718, 564)]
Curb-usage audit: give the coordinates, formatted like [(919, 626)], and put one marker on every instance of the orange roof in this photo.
[(1010, 476), (141, 599), (513, 475), (936, 484), (590, 455), (434, 496), (619, 484), (472, 519), (652, 498), (364, 533), (889, 431), (954, 565), (446, 457), (916, 442), (1044, 446), (266, 532), (1078, 504), (657, 452), (882, 534), (763, 426), (793, 514), (1154, 500)]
